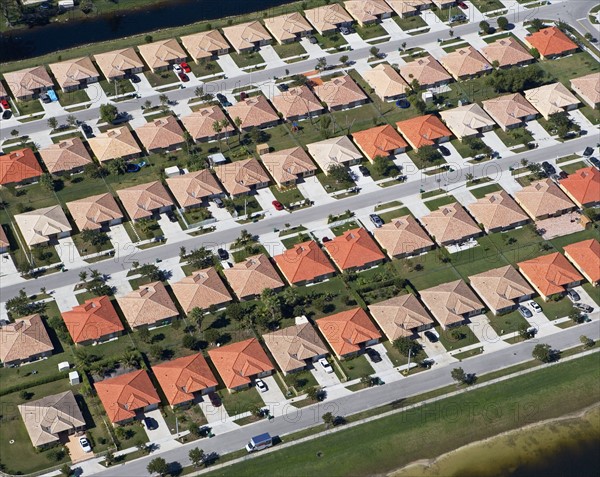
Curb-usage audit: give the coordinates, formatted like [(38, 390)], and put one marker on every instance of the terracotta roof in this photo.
[(121, 396), (24, 82), (354, 248), (507, 52), (251, 276), (327, 17), (379, 141), (19, 165), (115, 64), (3, 238), (427, 71), (91, 212), (65, 155), (366, 11), (448, 302), (588, 87), (38, 225), (402, 235), (24, 338), (50, 416), (202, 289), (346, 331), (74, 72), (254, 111), (200, 123), (288, 164), (204, 44), (500, 287), (147, 305), (509, 109), (160, 133), (292, 346), (340, 91), (246, 35), (142, 199), (287, 27), (162, 53), (304, 262), (403, 7), (189, 189), (586, 257), (238, 177), (551, 98), (114, 143), (298, 101), (466, 121), (180, 378), (550, 41), (497, 210), (92, 320), (400, 315), (549, 274), (386, 81), (237, 362), (465, 61), (450, 223), (583, 186), (542, 198), (333, 151), (423, 130)]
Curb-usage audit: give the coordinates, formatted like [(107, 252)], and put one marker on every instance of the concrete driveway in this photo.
[(492, 140), (273, 397), (162, 432), (314, 51), (435, 350), (385, 365), (171, 230), (588, 300), (312, 189), (324, 379), (76, 453), (487, 336)]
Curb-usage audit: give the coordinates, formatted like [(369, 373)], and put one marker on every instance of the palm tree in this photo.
[(52, 123), (238, 125), (218, 127), (71, 120), (199, 91), (129, 358), (225, 124)]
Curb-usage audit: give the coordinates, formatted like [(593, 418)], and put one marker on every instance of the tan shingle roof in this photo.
[(252, 276), (65, 155), (450, 223), (588, 87), (3, 238), (161, 133), (304, 262), (238, 362), (466, 121), (402, 235), (551, 98), (366, 11), (347, 330), (24, 338), (500, 287), (254, 111), (246, 35), (287, 27), (239, 177), (115, 64), (162, 53), (147, 305), (202, 289), (288, 164), (403, 7), (497, 210), (427, 71), (114, 143), (542, 198), (333, 151), (340, 91), (73, 72), (327, 17), (200, 123), (509, 109), (465, 62), (36, 226), (386, 81), (299, 101), (142, 199), (204, 44), (400, 315), (507, 52), (293, 346), (24, 82), (3, 92), (91, 212), (448, 302), (189, 189)]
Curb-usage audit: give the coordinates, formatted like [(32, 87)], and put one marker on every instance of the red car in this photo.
[(278, 205), (463, 5), (185, 67), (183, 77), (4, 104)]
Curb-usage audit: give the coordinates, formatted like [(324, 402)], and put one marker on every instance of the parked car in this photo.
[(346, 30), (562, 175), (278, 205), (150, 423), (185, 67), (45, 98), (595, 162), (218, 202), (326, 239), (177, 69), (444, 150), (223, 254), (183, 77), (458, 18), (573, 295), (85, 444), (133, 78), (535, 307), (525, 312), (313, 40), (583, 307), (364, 170), (325, 365), (463, 5), (7, 114), (243, 95), (588, 151), (282, 87), (260, 384), (4, 104), (431, 336), (215, 399), (87, 130), (548, 168), (172, 217), (373, 355), (377, 222)]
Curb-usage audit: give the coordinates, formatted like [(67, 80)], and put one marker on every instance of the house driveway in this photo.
[(273, 398), (324, 379), (355, 41), (540, 135), (314, 51), (162, 432), (68, 253), (270, 56), (436, 350), (492, 140), (566, 224), (76, 453), (214, 415), (171, 230), (393, 28), (265, 198), (385, 365), (228, 66), (580, 119), (487, 336), (312, 189)]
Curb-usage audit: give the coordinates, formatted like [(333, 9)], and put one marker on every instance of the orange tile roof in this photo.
[(583, 186), (354, 248), (586, 257), (346, 331), (305, 262), (180, 378), (17, 166), (237, 362), (550, 41), (92, 320), (379, 141), (423, 130), (122, 395), (549, 273)]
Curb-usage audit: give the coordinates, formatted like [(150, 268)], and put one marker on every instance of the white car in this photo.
[(535, 307), (326, 366), (85, 444), (260, 384), (177, 69)]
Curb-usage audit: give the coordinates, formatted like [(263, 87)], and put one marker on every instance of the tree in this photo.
[(451, 33), (144, 335), (503, 23), (164, 100), (429, 154), (200, 258), (217, 128), (344, 59), (321, 64), (95, 237), (374, 51), (148, 38), (130, 358), (366, 380), (587, 342), (71, 120), (196, 314), (328, 419), (47, 182), (14, 133), (384, 166), (536, 24), (86, 6), (562, 123), (484, 26), (544, 353), (588, 36), (108, 113), (313, 393), (189, 342), (516, 79), (94, 171), (245, 238), (109, 457), (469, 176), (459, 375), (66, 470), (576, 316), (339, 173), (420, 105), (199, 91), (151, 271), (405, 346), (211, 335), (156, 352), (52, 123), (20, 305), (158, 466), (196, 455), (147, 104)]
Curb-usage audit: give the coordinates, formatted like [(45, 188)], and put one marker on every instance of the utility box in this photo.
[(74, 378), (262, 149), (427, 97), (64, 366)]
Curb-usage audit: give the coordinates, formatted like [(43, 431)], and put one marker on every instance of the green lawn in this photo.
[(289, 242), (575, 166), (333, 40), (85, 248), (340, 229), (568, 67), (72, 97), (121, 86), (288, 50), (555, 309), (487, 5), (435, 204), (356, 367), (331, 185), (205, 68), (245, 205), (480, 192), (161, 78), (392, 214), (422, 164), (593, 292), (247, 59), (374, 30), (514, 137), (451, 339), (399, 359), (301, 380), (410, 23), (30, 106), (241, 401), (287, 196), (508, 323)]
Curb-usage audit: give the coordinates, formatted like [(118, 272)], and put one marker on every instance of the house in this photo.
[(550, 274), (28, 83), (348, 332), (381, 141), (507, 52), (426, 71), (297, 104), (366, 12), (425, 130), (402, 316), (583, 187), (115, 143), (501, 289), (24, 340), (467, 121), (543, 199), (202, 289), (403, 237), (51, 419), (150, 306), (4, 243), (341, 93), (161, 135), (288, 28), (328, 18), (242, 177), (333, 152), (124, 396), (117, 64), (498, 212), (75, 74), (250, 277), (19, 167), (254, 112), (354, 250), (295, 347), (304, 263), (95, 212), (450, 224), (143, 201), (588, 88), (551, 42), (444, 3), (161, 55), (551, 99), (42, 226), (201, 124), (408, 8), (3, 93), (510, 111), (451, 304), (247, 37), (585, 255), (182, 380), (94, 321), (205, 45), (192, 188), (288, 165), (240, 363), (386, 82), (68, 155), (464, 63)]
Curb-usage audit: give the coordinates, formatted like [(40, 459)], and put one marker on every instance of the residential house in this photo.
[(202, 289), (113, 144), (333, 152), (550, 274), (205, 45), (402, 237), (464, 63), (444, 3), (28, 83), (142, 201), (585, 255), (288, 28), (247, 37), (551, 42), (242, 177), (328, 18), (4, 243), (551, 99), (386, 82), (341, 93), (192, 188), (288, 166), (42, 226), (588, 88), (298, 103), (354, 250), (201, 124), (427, 71), (543, 199), (95, 212), (452, 303), (507, 52), (161, 55), (75, 74), (24, 340), (501, 289), (450, 224), (305, 263), (19, 167), (425, 130), (3, 93), (408, 8), (402, 316), (254, 112), (498, 212), (161, 135), (250, 277), (366, 12), (510, 111), (381, 141), (68, 155), (150, 306), (467, 121), (94, 321), (583, 187), (117, 64), (348, 332)]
